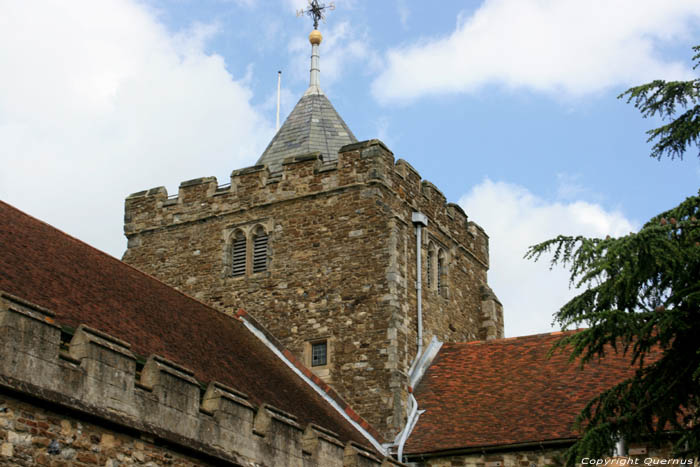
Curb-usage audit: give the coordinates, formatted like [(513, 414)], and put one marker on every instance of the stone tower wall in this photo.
[(341, 263)]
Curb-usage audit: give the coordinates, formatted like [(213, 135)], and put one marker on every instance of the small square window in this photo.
[(319, 353)]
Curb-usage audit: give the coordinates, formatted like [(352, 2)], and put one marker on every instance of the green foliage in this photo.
[(663, 99), (641, 297)]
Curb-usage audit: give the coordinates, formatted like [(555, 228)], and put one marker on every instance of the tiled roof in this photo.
[(505, 392), (313, 126), (82, 285)]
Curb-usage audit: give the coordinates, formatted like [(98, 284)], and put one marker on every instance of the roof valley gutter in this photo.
[(260, 335)]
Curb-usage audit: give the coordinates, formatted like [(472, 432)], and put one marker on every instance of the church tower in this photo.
[(342, 252)]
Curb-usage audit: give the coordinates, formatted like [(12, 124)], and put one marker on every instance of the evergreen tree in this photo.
[(641, 297)]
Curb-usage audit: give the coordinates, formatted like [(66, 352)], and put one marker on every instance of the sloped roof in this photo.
[(313, 126), (82, 285), (505, 392)]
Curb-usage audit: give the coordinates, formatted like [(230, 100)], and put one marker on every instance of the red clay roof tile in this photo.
[(505, 392)]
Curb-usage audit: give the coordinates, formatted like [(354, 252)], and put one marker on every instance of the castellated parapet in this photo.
[(110, 413), (341, 264)]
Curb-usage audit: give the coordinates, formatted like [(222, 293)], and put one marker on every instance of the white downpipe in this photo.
[(419, 290), (420, 221), (409, 426)]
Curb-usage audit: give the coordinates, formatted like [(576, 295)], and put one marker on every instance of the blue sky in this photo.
[(508, 106)]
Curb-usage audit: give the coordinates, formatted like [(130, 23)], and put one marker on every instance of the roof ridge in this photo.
[(515, 338)]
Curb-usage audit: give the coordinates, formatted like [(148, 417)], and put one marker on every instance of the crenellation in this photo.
[(405, 170), (195, 190), (109, 366), (165, 404), (432, 192)]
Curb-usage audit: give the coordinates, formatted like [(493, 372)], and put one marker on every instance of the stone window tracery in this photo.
[(248, 251)]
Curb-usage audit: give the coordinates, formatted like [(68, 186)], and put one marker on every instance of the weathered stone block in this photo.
[(177, 393)]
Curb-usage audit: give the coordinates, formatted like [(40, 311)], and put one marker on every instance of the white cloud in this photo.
[(569, 186), (404, 12), (572, 47), (514, 219), (99, 100)]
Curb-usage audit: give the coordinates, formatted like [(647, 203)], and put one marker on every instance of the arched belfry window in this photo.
[(260, 250), (238, 254), (441, 271)]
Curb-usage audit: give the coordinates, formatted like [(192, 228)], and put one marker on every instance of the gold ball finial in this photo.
[(315, 37)]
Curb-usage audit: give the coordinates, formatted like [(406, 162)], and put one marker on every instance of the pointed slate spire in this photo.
[(313, 126)]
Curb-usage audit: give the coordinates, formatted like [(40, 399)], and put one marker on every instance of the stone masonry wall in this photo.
[(341, 263), (161, 417), (33, 435)]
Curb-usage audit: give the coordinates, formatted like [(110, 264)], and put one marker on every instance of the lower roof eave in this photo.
[(412, 456)]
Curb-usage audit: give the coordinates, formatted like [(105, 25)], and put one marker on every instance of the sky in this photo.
[(508, 106)]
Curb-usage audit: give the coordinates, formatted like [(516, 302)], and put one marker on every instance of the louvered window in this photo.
[(238, 254), (429, 269), (260, 252)]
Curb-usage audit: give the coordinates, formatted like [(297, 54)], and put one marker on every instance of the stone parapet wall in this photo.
[(95, 379), (368, 162)]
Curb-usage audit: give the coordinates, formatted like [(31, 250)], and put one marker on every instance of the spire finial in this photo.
[(316, 10)]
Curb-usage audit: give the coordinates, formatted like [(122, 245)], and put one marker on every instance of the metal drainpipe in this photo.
[(407, 429), (419, 220)]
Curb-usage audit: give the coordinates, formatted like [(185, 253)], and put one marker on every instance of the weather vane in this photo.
[(315, 10)]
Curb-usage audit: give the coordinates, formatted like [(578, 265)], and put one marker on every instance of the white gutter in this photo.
[(419, 365), (260, 335), (410, 423), (424, 362), (418, 369)]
